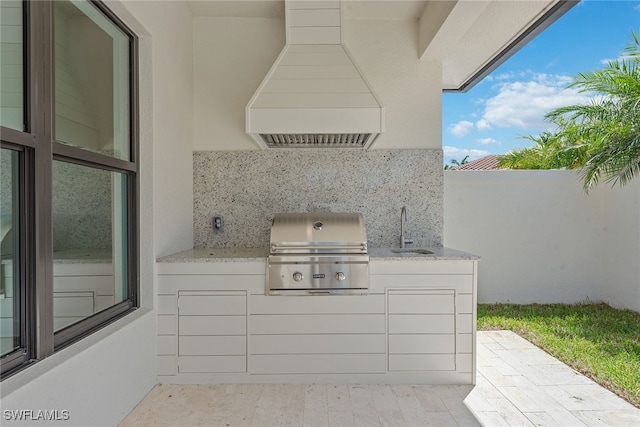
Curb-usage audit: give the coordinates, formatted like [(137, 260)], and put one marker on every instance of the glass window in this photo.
[(68, 204), (91, 80), (89, 241), (10, 298), (11, 65)]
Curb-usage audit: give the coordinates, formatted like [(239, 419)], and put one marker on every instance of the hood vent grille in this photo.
[(287, 140), (314, 95)]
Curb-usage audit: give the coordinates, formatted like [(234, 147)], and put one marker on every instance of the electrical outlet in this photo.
[(217, 223)]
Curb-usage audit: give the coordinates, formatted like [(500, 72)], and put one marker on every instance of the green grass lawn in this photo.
[(595, 339)]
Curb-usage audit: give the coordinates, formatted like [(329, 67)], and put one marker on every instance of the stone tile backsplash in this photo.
[(247, 187)]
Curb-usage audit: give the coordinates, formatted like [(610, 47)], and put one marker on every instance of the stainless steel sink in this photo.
[(412, 251)]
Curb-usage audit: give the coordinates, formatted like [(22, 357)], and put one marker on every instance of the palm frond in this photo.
[(600, 138)]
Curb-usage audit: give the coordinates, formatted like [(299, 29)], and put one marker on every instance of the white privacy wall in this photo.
[(622, 233), (233, 55), (542, 239)]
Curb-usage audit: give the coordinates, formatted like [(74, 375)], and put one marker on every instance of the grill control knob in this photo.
[(340, 276), (297, 276)]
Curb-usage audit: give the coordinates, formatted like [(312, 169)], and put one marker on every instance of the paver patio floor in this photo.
[(517, 385)]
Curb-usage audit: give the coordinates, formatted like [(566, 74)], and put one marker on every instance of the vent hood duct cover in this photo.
[(314, 94)]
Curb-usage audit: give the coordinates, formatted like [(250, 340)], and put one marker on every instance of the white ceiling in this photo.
[(238, 8), (469, 37), (353, 9)]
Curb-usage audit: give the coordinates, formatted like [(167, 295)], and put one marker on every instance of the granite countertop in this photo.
[(83, 256), (439, 254), (260, 254), (218, 255)]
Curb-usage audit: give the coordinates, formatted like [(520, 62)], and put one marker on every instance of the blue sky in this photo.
[(492, 117)]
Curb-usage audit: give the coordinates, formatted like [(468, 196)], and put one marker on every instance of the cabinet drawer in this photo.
[(465, 323), (166, 365), (88, 269), (421, 324), (212, 325), (104, 301), (413, 343), (318, 324), (73, 304), (464, 342), (64, 321), (318, 364), (101, 285), (326, 304), (212, 364), (166, 345), (465, 362), (213, 345), (317, 344), (167, 304), (464, 303), (423, 302), (211, 305), (422, 362), (6, 309), (166, 325)]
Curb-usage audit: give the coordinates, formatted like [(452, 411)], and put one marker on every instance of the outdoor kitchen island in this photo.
[(416, 325)]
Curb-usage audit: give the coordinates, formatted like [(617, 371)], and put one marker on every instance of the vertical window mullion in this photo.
[(41, 70), (27, 243)]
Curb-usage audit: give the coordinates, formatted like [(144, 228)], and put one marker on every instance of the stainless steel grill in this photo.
[(318, 254)]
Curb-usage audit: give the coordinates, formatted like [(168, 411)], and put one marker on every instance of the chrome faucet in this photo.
[(403, 219)]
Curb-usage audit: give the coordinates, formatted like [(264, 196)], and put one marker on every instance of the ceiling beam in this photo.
[(443, 23)]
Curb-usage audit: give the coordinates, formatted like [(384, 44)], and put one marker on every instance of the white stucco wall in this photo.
[(622, 231), (102, 377), (409, 89), (98, 385), (170, 25), (542, 239), (232, 56)]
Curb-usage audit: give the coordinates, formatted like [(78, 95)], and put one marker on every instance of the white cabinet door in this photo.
[(212, 331), (422, 329), (317, 334)]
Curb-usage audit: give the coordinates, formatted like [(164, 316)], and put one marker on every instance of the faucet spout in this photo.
[(403, 219)]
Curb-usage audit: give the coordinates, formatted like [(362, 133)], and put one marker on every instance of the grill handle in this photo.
[(307, 248)]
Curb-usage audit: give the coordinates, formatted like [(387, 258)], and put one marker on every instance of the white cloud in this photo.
[(620, 58), (456, 153), (461, 128), (505, 76), (487, 141), (483, 124), (523, 104)]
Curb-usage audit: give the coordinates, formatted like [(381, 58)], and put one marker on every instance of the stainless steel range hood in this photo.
[(314, 94)]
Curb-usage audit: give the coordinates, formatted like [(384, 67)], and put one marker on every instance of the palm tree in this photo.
[(550, 151), (455, 163), (601, 139), (608, 129)]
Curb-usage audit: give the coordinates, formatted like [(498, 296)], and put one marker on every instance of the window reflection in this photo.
[(89, 240), (10, 335), (11, 65), (91, 80)]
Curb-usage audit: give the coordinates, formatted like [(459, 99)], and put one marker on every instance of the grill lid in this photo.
[(318, 232)]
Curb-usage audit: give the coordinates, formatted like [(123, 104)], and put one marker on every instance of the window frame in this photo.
[(38, 150), (22, 354)]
